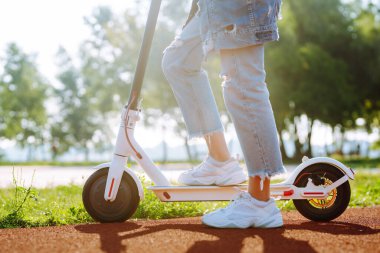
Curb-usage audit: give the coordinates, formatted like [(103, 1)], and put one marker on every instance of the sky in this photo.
[(41, 26)]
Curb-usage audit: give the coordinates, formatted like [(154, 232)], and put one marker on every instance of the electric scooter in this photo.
[(319, 187)]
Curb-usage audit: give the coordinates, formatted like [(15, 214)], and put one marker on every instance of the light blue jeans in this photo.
[(245, 95)]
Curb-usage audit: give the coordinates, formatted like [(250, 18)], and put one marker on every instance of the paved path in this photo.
[(47, 176), (357, 230)]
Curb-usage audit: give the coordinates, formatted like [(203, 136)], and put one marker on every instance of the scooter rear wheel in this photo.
[(119, 210), (323, 209)]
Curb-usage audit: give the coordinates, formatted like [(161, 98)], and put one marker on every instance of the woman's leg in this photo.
[(217, 147), (247, 99), (257, 191), (182, 66)]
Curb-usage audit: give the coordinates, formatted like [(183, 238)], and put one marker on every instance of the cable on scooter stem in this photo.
[(144, 54), (133, 96)]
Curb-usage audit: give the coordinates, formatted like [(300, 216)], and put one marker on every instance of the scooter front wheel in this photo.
[(323, 209), (119, 210)]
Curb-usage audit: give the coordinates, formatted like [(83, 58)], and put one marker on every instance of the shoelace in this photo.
[(199, 166), (241, 196)]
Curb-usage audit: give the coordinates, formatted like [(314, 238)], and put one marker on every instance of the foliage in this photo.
[(376, 145), (356, 163), (366, 190), (309, 71), (23, 93), (75, 124), (324, 68)]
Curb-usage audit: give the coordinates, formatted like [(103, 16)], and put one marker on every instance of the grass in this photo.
[(361, 163), (48, 163), (29, 207), (353, 162), (81, 163)]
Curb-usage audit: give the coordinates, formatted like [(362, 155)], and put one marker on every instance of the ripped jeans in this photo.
[(244, 91)]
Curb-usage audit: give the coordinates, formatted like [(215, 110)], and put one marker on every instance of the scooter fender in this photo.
[(306, 162), (117, 176)]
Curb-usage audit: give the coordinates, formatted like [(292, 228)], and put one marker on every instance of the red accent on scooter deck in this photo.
[(166, 195), (288, 193), (313, 193), (109, 193)]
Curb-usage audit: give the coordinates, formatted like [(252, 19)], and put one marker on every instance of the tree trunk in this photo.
[(86, 153), (29, 156), (340, 147), (280, 128), (282, 149), (188, 151), (309, 150), (164, 152), (282, 146), (298, 154), (164, 146), (195, 152)]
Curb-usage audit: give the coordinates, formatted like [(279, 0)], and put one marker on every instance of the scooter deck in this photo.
[(212, 193)]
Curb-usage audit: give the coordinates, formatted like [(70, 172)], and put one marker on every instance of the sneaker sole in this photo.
[(272, 222), (236, 178), (223, 181), (226, 224)]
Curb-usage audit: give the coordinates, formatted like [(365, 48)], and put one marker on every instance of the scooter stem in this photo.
[(126, 144), (144, 54)]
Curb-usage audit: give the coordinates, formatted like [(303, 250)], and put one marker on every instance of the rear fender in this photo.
[(324, 160)]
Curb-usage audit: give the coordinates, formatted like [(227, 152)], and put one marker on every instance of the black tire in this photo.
[(332, 207), (121, 209)]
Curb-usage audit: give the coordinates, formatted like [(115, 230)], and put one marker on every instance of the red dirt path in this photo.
[(357, 230)]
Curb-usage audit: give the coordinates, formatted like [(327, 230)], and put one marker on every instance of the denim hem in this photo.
[(201, 134), (267, 173)]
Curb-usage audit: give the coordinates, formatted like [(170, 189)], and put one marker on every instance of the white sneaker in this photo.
[(245, 211), (211, 172)]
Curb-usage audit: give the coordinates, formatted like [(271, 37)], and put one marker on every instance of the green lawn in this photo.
[(29, 207), (354, 162)]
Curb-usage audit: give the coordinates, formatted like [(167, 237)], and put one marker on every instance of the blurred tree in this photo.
[(324, 92), (365, 62), (159, 100), (282, 69), (107, 63), (76, 123), (23, 93), (157, 92), (108, 58), (313, 71), (308, 68)]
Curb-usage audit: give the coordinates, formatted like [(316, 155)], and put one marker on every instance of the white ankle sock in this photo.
[(260, 203), (218, 163)]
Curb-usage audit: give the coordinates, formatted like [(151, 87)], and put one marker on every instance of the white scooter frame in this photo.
[(323, 200), (127, 146)]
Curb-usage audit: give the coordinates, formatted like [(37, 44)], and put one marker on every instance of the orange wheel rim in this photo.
[(326, 202)]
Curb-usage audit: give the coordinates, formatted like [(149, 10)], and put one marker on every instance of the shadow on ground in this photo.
[(229, 240)]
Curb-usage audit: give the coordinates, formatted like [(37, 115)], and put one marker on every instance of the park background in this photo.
[(66, 70)]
